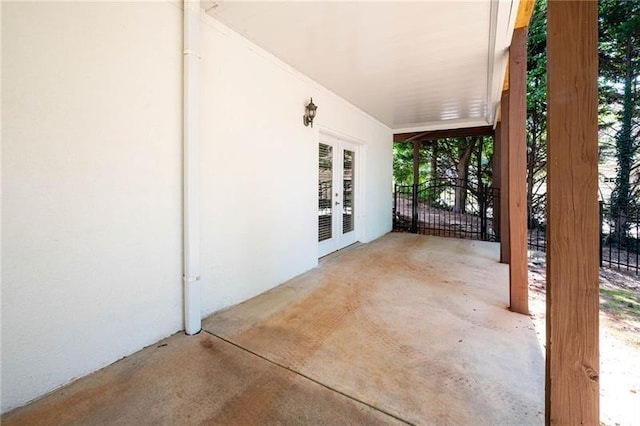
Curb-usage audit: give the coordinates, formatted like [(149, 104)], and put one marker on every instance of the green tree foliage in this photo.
[(619, 77), (619, 110), (445, 163), (403, 163), (537, 113)]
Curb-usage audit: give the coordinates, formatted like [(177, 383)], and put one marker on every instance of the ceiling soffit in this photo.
[(414, 66)]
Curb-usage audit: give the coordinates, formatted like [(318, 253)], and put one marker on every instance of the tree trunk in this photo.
[(416, 162), (463, 174), (479, 167), (434, 161), (432, 193)]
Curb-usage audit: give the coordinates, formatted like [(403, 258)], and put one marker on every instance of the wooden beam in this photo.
[(525, 10), (504, 180), (518, 261), (572, 384), (441, 134), (505, 85)]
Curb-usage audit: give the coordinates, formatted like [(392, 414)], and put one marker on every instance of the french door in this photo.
[(337, 192)]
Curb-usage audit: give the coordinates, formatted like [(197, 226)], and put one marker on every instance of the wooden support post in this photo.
[(518, 262), (572, 385), (495, 181), (504, 178)]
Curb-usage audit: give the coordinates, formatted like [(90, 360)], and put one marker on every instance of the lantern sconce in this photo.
[(310, 113)]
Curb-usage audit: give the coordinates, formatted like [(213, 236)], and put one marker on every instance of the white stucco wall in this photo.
[(91, 187), (91, 181), (260, 168)]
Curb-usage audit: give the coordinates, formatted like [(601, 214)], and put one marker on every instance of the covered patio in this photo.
[(167, 167), (406, 329)]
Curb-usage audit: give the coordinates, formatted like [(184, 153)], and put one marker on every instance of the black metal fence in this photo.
[(619, 238), (447, 208)]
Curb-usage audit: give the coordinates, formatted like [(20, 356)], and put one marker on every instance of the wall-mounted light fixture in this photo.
[(310, 113)]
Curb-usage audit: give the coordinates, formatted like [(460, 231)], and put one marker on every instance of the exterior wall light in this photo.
[(310, 113)]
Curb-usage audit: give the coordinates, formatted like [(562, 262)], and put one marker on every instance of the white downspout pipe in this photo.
[(191, 168)]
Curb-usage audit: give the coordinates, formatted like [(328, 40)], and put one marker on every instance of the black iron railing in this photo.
[(447, 208), (619, 238)]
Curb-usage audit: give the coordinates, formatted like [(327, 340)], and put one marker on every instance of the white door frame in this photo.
[(339, 143)]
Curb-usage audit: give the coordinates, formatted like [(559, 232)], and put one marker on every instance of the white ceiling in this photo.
[(412, 65)]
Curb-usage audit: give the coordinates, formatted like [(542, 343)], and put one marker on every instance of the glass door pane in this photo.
[(325, 189), (347, 191)]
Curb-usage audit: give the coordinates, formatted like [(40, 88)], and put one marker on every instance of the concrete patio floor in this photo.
[(407, 329)]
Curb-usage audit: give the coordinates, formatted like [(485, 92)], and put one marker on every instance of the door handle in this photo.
[(337, 202)]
